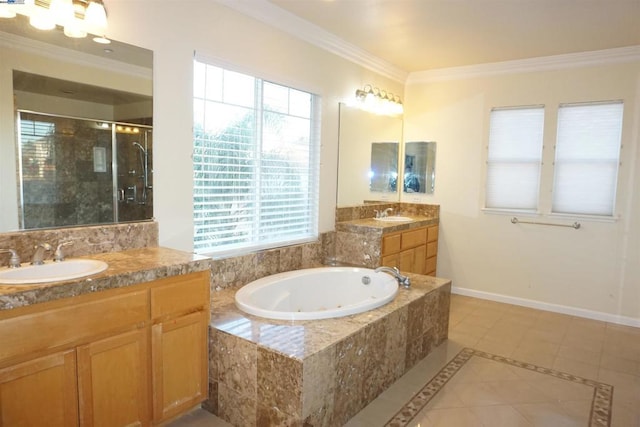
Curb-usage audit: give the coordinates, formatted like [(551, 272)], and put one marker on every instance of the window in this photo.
[(255, 160), (514, 158), (587, 158)]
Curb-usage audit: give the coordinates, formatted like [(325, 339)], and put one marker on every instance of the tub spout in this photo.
[(402, 280)]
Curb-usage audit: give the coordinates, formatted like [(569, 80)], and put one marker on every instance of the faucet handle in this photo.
[(377, 212), (58, 255), (14, 261)]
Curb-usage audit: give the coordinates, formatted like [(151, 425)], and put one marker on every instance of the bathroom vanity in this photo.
[(127, 346), (414, 250), (411, 245)]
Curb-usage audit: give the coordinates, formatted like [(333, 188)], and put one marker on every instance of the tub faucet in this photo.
[(402, 280), (38, 255)]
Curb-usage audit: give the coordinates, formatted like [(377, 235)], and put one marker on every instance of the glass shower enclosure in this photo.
[(76, 171)]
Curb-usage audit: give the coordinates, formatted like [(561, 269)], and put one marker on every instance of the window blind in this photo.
[(36, 148), (255, 162), (514, 158), (587, 158)]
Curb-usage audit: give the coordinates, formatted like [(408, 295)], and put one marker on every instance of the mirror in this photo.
[(419, 167), (383, 175), (89, 107), (367, 140)]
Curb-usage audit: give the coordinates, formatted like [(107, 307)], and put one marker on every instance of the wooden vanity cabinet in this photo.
[(179, 342), (93, 360), (413, 250)]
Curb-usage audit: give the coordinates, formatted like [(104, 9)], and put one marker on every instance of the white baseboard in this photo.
[(556, 308)]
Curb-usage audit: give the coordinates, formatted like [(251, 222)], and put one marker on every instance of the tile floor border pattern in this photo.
[(601, 404)]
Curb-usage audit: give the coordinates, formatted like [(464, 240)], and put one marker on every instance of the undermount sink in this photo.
[(51, 272), (394, 219)]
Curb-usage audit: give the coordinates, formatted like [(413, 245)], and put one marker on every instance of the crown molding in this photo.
[(270, 14), (58, 53), (545, 63)]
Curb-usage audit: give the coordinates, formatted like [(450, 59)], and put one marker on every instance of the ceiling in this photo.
[(421, 35)]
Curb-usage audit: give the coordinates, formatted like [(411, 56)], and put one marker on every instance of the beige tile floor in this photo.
[(489, 393)]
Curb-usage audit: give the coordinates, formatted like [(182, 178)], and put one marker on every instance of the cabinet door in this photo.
[(407, 260), (180, 363), (40, 392), (391, 260), (113, 381), (419, 260)]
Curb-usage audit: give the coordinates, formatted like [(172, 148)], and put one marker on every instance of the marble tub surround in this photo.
[(367, 210), (319, 372), (239, 270), (87, 240), (125, 268)]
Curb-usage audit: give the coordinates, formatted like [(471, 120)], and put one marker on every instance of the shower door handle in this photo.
[(121, 194)]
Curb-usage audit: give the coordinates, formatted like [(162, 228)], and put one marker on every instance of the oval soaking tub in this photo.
[(316, 293)]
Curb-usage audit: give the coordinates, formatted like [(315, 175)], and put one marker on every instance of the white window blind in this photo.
[(587, 158), (514, 158), (256, 162)]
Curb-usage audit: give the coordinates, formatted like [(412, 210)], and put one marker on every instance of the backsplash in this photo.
[(350, 213), (86, 240), (240, 270)]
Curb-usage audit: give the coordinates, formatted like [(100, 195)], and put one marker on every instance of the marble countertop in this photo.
[(384, 226), (126, 268), (301, 338)]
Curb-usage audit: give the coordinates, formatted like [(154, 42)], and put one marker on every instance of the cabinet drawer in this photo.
[(432, 234), (71, 323), (179, 294), (391, 244), (413, 238)]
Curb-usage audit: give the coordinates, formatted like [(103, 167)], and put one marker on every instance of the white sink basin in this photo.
[(51, 272), (394, 219)]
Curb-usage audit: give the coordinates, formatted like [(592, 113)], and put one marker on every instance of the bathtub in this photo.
[(316, 293)]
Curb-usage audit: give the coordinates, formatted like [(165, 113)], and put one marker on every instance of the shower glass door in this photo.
[(68, 176)]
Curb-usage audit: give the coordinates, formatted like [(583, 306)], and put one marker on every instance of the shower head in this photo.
[(140, 147)]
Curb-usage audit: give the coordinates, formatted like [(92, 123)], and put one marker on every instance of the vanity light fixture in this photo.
[(379, 101), (77, 17)]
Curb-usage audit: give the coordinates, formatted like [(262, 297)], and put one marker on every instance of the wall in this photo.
[(593, 271), (174, 30)]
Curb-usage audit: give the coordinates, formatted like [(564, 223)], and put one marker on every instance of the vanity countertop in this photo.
[(126, 268), (370, 224)]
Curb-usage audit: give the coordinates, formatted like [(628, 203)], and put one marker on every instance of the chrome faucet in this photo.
[(38, 255), (386, 212), (14, 261), (402, 280), (58, 255)]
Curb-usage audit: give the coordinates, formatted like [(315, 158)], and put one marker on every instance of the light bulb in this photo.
[(41, 19), (62, 11), (7, 11), (95, 18)]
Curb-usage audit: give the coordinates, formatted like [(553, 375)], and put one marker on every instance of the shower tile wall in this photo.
[(60, 186)]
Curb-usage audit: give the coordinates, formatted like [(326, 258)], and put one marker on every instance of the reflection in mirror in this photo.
[(419, 167), (383, 176), (357, 133), (66, 155)]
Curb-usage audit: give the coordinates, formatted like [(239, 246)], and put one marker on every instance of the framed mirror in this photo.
[(76, 130), (368, 149), (419, 173)]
